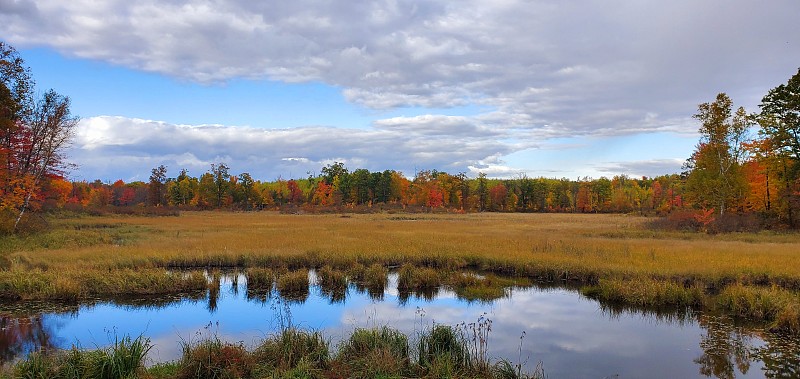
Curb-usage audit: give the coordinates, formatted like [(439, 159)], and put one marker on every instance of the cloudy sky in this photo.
[(282, 88)]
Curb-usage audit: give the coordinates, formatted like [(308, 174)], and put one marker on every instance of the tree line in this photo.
[(744, 164), (337, 187)]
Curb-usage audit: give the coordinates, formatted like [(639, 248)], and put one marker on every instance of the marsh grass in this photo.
[(606, 253), (646, 293), (332, 283), (74, 284), (214, 358), (259, 278), (374, 280), (366, 354), (777, 305), (293, 285), (292, 349), (473, 287), (372, 353), (124, 359), (443, 342), (411, 278)]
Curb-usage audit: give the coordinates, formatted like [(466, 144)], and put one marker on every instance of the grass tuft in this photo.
[(374, 353), (292, 349)]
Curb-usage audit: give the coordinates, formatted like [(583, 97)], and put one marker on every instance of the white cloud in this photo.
[(556, 67), (104, 144), (649, 168)]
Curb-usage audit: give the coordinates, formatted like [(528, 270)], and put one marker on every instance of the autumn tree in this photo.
[(715, 178), (34, 134), (182, 190)]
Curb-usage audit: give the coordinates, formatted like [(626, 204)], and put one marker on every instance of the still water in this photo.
[(572, 336)]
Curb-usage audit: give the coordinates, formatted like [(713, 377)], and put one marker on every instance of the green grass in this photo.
[(124, 359), (372, 353), (292, 349), (366, 354)]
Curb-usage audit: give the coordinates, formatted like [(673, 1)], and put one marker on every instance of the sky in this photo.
[(506, 87)]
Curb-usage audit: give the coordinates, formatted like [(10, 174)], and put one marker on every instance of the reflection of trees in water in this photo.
[(726, 348), (671, 316), (781, 356), (375, 291), (22, 335), (335, 294), (427, 294)]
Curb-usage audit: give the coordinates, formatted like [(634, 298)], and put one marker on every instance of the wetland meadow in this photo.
[(500, 295)]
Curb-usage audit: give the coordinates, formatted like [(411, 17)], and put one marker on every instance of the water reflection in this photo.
[(573, 336), (21, 335), (726, 348)]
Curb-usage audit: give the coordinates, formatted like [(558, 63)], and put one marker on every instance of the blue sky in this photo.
[(506, 88)]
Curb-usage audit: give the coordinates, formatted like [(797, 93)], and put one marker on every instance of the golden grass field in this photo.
[(81, 255)]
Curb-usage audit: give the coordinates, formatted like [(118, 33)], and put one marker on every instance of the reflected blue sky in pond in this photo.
[(572, 336)]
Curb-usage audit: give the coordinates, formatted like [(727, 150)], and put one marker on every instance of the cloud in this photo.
[(650, 168), (105, 146), (556, 69)]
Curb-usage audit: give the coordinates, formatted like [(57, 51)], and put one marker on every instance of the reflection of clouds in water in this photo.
[(572, 335)]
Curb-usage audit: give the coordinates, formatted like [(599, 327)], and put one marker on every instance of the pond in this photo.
[(570, 335)]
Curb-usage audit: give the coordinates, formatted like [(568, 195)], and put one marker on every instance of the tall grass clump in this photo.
[(471, 287), (444, 347), (375, 277), (410, 278), (504, 369), (332, 283), (36, 366), (125, 359), (645, 292), (293, 285), (777, 305), (259, 283), (374, 353), (212, 358), (292, 349)]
